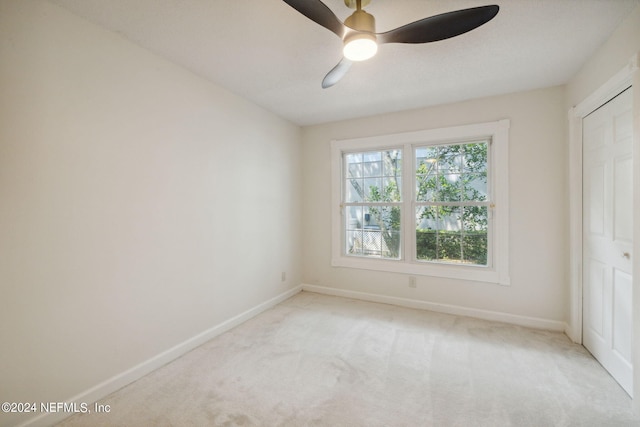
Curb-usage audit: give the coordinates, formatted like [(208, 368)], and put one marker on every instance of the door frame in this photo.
[(628, 76)]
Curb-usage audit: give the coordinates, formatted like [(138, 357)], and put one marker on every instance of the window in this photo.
[(452, 201), (432, 202), (372, 203)]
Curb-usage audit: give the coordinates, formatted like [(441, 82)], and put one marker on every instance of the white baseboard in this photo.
[(116, 382), (530, 322), (574, 333)]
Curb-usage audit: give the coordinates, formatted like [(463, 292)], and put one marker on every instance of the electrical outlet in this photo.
[(412, 282), (284, 276)]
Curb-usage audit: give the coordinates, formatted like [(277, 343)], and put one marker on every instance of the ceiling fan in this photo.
[(358, 32)]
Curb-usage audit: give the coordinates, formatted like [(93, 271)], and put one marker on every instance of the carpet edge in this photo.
[(514, 319)]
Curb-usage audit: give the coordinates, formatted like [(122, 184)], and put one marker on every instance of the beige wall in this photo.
[(130, 220), (607, 61), (538, 208)]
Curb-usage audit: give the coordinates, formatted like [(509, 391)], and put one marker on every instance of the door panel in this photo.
[(623, 127), (607, 236), (623, 177), (622, 314), (596, 202), (596, 297)]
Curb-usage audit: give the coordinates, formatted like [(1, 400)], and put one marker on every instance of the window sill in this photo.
[(461, 272)]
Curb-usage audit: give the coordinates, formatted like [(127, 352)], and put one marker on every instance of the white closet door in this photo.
[(607, 236)]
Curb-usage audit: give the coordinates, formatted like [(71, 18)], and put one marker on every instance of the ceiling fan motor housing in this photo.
[(361, 21)]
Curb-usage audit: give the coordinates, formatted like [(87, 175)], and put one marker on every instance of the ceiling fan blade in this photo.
[(318, 12), (440, 27), (336, 73)]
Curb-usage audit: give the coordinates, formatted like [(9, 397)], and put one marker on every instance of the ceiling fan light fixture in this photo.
[(360, 46), (358, 32)]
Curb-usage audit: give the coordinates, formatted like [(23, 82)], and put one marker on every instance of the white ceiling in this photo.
[(268, 53)]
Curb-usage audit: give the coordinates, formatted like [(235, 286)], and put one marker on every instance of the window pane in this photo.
[(353, 224), (384, 224), (474, 248), (354, 170), (439, 173), (475, 223), (449, 188), (427, 233), (449, 234), (392, 188), (392, 173), (475, 218), (392, 162), (372, 165), (475, 187), (354, 191), (449, 218), (427, 154), (373, 176), (452, 234), (427, 218), (449, 246), (373, 156), (353, 158), (475, 242), (475, 157), (373, 231), (450, 159), (354, 242), (426, 182), (372, 169), (452, 173), (373, 189), (354, 217), (426, 244)]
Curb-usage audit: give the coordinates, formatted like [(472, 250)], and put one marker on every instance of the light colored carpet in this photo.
[(317, 360)]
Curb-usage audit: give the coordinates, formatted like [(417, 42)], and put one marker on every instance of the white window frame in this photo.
[(497, 270)]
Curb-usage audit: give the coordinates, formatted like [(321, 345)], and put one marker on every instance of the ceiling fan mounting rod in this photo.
[(353, 4)]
